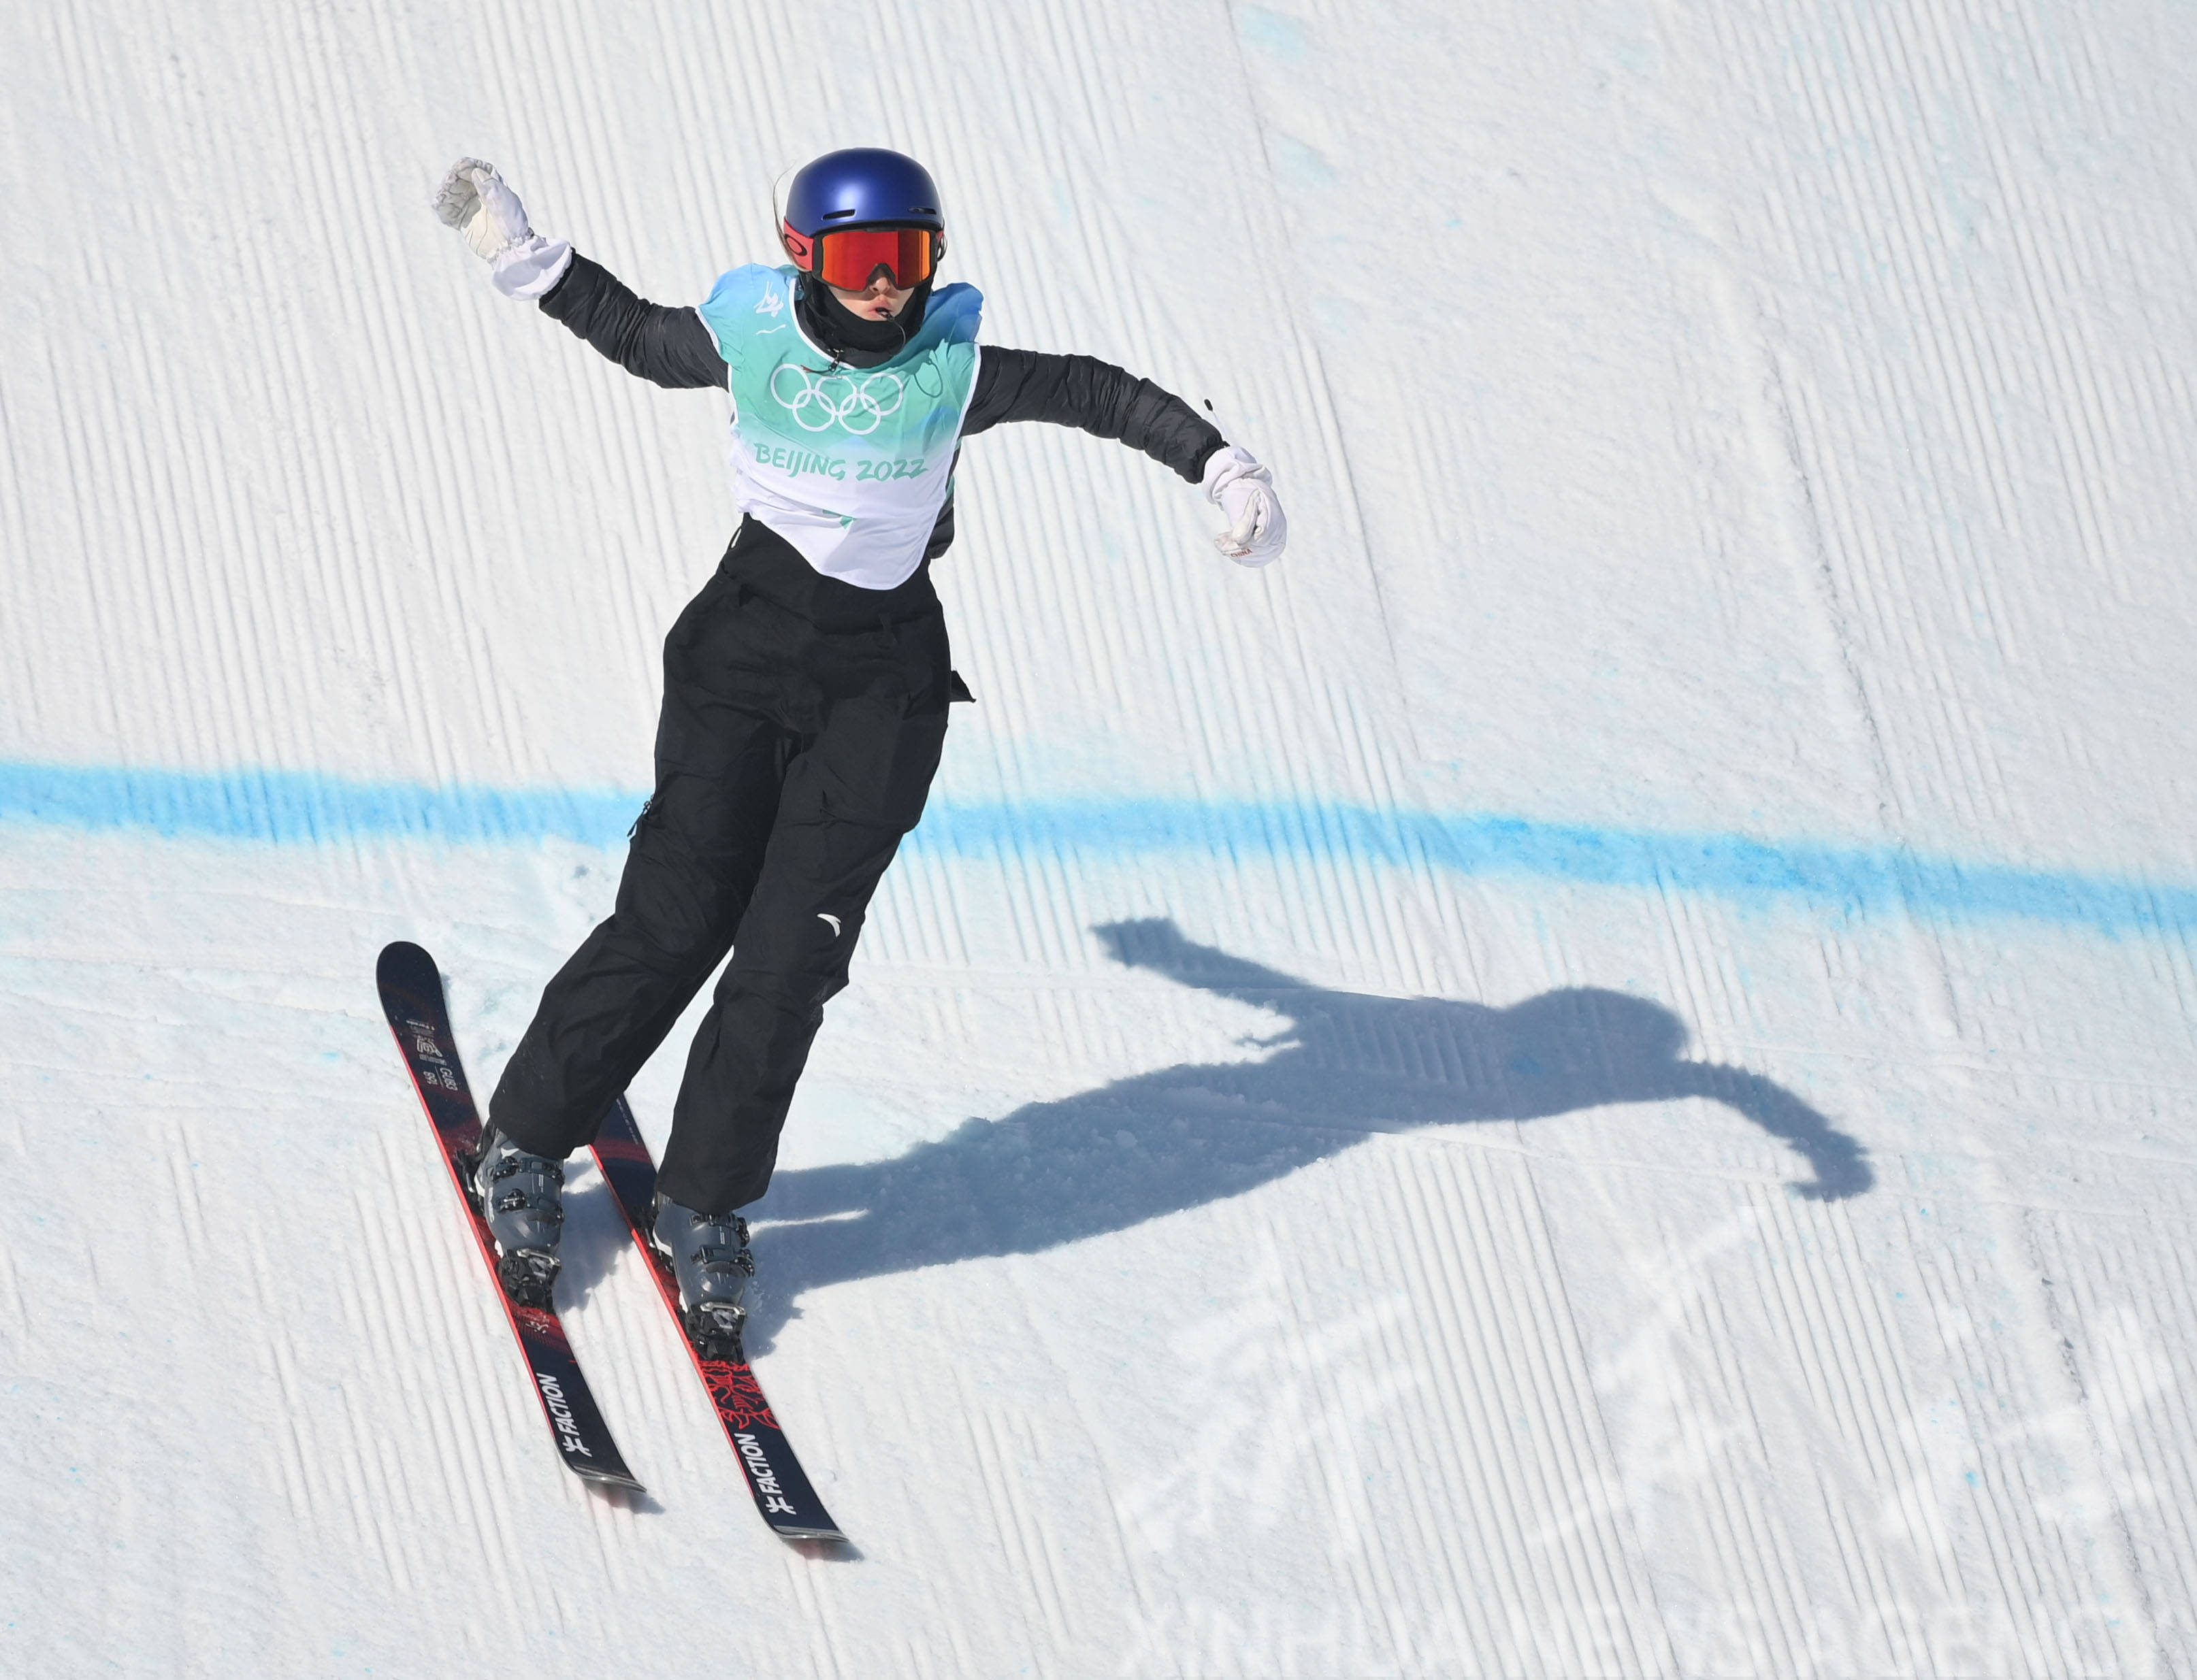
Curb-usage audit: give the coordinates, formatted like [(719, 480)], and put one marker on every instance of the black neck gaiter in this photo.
[(851, 338)]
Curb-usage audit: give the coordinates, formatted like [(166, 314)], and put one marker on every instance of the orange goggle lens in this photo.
[(850, 257)]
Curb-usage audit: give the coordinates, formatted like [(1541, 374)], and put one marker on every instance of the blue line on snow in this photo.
[(292, 807)]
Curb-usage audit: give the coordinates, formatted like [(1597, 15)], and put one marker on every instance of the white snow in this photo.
[(1310, 1176)]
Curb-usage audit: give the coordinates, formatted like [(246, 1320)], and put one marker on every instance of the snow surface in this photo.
[(1593, 1074)]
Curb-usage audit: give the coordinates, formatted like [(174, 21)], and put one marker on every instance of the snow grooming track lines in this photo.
[(782, 1495), (411, 989)]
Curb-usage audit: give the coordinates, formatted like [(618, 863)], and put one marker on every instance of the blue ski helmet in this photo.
[(861, 187)]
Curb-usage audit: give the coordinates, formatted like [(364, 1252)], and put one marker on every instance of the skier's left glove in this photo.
[(1243, 490), (474, 200)]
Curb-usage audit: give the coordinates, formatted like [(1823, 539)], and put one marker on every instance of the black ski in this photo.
[(782, 1493), (411, 998)]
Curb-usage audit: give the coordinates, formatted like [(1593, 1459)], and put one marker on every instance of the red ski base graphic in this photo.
[(782, 1493), (412, 998), (739, 1396)]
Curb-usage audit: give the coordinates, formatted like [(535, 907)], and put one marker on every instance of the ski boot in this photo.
[(709, 1252), (522, 1198)]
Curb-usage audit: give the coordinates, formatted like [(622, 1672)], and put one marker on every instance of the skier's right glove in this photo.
[(1243, 490), (474, 200)]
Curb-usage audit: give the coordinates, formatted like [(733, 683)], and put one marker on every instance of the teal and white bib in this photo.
[(850, 464)]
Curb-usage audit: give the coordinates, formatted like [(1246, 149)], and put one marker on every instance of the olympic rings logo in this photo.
[(837, 399)]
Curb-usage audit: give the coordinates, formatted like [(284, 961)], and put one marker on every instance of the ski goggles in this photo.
[(847, 258)]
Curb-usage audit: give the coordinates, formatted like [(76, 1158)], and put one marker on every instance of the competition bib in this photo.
[(850, 464)]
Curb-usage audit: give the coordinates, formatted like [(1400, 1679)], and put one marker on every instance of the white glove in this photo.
[(1243, 491), (474, 200)]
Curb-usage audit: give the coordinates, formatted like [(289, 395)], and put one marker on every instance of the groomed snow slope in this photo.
[(1595, 1074)]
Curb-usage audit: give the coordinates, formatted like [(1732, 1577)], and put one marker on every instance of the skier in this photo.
[(805, 688)]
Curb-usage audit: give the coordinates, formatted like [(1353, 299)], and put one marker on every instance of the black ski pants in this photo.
[(802, 720)]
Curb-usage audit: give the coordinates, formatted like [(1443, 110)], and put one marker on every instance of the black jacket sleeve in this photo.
[(670, 346), (1082, 390)]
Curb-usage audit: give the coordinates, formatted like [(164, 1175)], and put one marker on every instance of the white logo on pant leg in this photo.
[(833, 920)]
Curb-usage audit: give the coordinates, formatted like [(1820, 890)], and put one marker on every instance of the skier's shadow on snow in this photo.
[(1348, 1065)]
